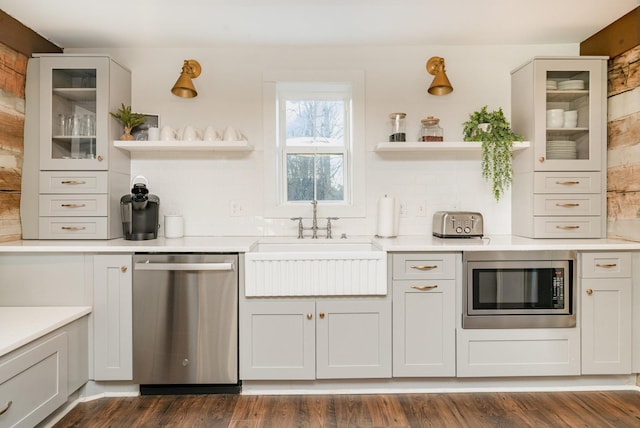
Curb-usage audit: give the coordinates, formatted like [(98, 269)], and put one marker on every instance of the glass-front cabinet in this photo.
[(73, 176), (559, 104), (74, 123)]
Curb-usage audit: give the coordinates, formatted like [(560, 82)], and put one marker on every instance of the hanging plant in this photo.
[(494, 131)]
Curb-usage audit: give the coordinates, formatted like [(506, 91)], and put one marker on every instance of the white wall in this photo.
[(229, 93)]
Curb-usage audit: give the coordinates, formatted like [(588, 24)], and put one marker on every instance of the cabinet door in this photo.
[(112, 317), (277, 340), (570, 114), (424, 328), (74, 94), (606, 326), (353, 339)]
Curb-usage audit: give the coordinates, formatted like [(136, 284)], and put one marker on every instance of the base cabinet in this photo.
[(303, 339), (606, 306), (113, 318)]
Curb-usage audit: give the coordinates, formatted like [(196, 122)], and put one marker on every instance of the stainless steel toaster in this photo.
[(457, 224)]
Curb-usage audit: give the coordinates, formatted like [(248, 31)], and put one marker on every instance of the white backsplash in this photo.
[(202, 187)]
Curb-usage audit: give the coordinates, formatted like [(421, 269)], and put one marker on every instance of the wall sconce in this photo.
[(184, 86), (440, 84)]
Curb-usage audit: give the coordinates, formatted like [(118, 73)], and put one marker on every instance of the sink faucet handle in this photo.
[(329, 236), (300, 226)]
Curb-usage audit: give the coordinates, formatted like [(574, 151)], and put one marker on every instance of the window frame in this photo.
[(274, 168)]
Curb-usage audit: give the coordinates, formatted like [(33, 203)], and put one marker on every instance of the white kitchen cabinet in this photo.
[(73, 175), (606, 303), (558, 188), (33, 381), (112, 317), (424, 342), (306, 339)]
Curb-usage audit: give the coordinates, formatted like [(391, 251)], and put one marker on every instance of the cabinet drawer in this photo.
[(34, 382), (73, 182), (567, 227), (567, 182), (606, 265), (73, 205), (424, 266), (73, 228), (565, 204)]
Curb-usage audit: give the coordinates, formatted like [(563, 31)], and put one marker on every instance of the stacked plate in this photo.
[(561, 149), (571, 85), (552, 84)]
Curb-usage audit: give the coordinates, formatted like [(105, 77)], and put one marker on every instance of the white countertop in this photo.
[(24, 324), (243, 244)]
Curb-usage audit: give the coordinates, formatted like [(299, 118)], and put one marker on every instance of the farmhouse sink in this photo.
[(315, 267)]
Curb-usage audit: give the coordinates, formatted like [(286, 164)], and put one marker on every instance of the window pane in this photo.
[(315, 122), (300, 177), (330, 177)]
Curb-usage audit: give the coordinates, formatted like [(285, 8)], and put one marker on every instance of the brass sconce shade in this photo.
[(184, 85), (440, 84)]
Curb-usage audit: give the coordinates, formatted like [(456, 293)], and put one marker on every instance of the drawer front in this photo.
[(569, 205), (73, 182), (34, 382), (567, 227), (567, 182), (424, 266), (73, 228), (73, 205), (606, 265)]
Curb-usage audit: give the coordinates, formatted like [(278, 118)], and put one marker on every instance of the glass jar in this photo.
[(431, 130), (398, 127)]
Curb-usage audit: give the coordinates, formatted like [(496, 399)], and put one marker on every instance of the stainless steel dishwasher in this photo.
[(185, 323)]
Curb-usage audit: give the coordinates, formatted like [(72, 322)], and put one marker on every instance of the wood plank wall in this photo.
[(13, 70), (17, 43), (623, 175)]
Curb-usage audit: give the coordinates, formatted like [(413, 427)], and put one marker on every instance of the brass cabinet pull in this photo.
[(7, 407), (100, 158), (321, 315), (541, 158), (309, 315), (567, 205), (424, 267), (606, 265), (123, 268), (73, 205), (73, 182), (73, 228), (567, 227), (424, 287), (568, 183), (589, 291)]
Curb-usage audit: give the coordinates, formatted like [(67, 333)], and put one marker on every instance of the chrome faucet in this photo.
[(314, 225)]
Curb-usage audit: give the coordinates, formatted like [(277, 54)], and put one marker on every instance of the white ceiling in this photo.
[(203, 23)]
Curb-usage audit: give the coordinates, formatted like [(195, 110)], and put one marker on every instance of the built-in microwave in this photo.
[(519, 289)]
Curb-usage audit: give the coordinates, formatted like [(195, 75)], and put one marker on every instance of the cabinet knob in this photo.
[(321, 315), (309, 315), (589, 291), (123, 268), (541, 158), (100, 158)]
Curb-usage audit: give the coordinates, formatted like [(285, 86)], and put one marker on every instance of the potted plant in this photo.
[(128, 120), (494, 131)]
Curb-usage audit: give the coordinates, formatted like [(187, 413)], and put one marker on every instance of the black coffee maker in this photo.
[(140, 213)]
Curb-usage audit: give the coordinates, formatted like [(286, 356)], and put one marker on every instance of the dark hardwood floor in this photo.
[(522, 409)]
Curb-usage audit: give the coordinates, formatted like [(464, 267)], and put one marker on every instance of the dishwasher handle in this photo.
[(184, 266)]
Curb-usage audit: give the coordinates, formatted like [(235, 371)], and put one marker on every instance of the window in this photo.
[(314, 144)]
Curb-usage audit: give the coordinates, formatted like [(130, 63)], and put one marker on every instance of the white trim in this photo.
[(357, 207)]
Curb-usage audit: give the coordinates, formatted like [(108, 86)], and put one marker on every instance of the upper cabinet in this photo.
[(559, 104), (73, 176)]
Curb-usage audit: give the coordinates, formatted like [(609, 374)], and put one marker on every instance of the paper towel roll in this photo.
[(386, 217)]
